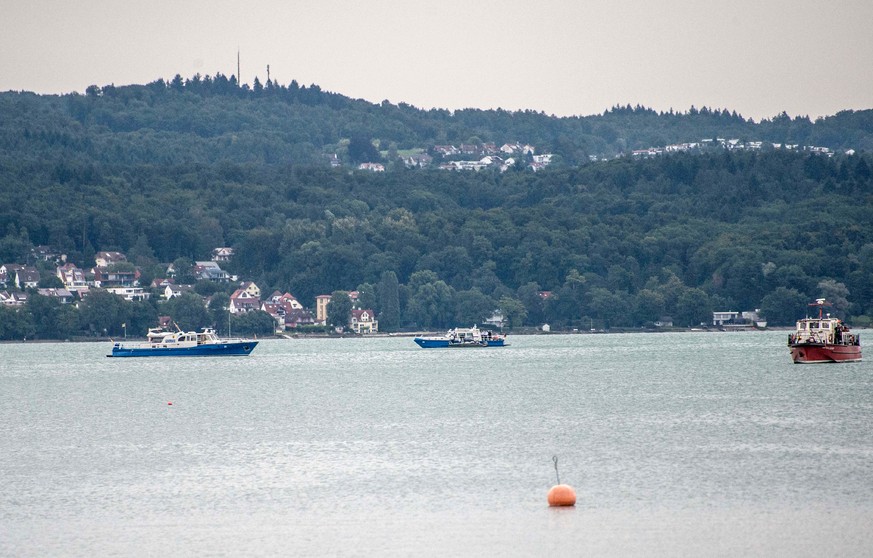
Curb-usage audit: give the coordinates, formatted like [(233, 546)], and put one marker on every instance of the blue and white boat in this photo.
[(463, 338), (184, 343)]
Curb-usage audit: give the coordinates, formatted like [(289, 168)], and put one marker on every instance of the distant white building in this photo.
[(130, 293), (497, 319), (105, 259), (719, 318), (222, 254), (373, 167)]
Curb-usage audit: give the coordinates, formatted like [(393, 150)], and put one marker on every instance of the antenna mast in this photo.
[(238, 79), (268, 72)]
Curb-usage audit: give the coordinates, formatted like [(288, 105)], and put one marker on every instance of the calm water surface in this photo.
[(686, 444)]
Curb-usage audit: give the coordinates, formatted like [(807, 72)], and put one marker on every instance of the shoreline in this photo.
[(292, 336)]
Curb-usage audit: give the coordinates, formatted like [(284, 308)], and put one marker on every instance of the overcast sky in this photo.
[(574, 57)]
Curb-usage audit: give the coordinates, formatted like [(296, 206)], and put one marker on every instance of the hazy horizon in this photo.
[(803, 58)]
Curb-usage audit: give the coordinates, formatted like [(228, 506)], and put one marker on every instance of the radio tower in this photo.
[(238, 79)]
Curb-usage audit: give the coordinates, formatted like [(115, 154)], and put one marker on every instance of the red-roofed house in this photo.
[(276, 312), (242, 301), (364, 322), (298, 317)]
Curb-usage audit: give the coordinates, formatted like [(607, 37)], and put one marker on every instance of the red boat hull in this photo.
[(805, 353)]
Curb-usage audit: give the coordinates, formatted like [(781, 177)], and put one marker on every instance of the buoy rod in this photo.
[(555, 459)]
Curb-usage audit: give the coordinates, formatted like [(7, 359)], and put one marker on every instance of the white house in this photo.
[(172, 291), (222, 254), (364, 322), (105, 259), (130, 293), (72, 277), (719, 318), (242, 301)]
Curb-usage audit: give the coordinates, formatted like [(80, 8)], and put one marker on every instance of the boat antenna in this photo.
[(177, 326), (557, 476), (821, 303)]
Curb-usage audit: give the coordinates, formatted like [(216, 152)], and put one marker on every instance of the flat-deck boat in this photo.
[(463, 338)]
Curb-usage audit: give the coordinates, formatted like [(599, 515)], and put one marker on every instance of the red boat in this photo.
[(823, 339)]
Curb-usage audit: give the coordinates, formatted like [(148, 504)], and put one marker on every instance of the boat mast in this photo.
[(821, 303)]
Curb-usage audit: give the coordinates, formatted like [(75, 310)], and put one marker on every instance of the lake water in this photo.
[(680, 444)]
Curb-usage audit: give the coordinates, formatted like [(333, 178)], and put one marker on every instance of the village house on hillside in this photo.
[(162, 282), (19, 276), (210, 271), (13, 298), (62, 295), (247, 298), (105, 259), (172, 291), (48, 254), (130, 293), (73, 278), (105, 278), (223, 254), (251, 289), (26, 277)]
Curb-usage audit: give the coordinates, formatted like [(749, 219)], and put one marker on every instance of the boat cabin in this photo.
[(817, 330), (157, 336), (823, 331)]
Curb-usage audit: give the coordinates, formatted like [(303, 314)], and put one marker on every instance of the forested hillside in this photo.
[(172, 170)]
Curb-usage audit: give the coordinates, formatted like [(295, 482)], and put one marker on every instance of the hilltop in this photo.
[(209, 119)]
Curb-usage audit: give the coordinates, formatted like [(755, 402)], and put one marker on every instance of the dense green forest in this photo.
[(171, 170)]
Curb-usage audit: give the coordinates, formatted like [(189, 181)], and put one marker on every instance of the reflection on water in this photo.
[(677, 444)]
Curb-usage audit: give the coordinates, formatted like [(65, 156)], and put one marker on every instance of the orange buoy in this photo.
[(562, 495)]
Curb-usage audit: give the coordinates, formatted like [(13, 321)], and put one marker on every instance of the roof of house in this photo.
[(53, 292), (111, 256), (365, 315), (242, 294), (28, 275)]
